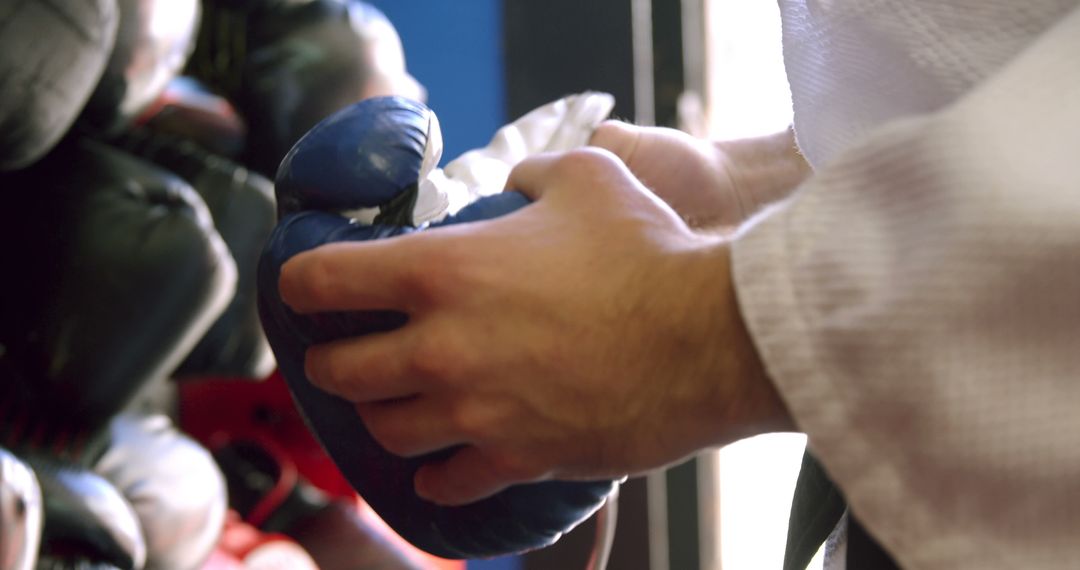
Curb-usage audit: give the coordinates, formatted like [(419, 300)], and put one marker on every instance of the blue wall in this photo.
[(455, 49), (507, 563)]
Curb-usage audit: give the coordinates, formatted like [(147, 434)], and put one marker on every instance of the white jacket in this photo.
[(917, 301)]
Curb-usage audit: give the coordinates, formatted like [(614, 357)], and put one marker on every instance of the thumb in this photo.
[(547, 173), (467, 476), (620, 138)]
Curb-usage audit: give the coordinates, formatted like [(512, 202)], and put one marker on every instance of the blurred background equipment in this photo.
[(46, 83), (185, 146), (20, 513)]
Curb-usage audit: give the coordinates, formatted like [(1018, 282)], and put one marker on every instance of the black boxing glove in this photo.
[(86, 520), (287, 64), (51, 58), (172, 483), (371, 160), (113, 271), (242, 205), (188, 110), (153, 42)]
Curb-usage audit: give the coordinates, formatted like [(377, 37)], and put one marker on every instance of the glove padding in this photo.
[(115, 272), (287, 65), (52, 54), (374, 156), (188, 110), (173, 485), (242, 205), (86, 518), (153, 42)]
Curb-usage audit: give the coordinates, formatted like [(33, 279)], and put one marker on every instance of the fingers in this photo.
[(529, 175), (468, 476), (548, 173), (618, 137), (411, 426), (354, 276), (370, 368)]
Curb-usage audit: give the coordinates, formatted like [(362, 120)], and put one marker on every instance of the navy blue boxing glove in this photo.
[(359, 175)]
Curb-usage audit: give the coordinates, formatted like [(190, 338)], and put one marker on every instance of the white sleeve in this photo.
[(917, 302)]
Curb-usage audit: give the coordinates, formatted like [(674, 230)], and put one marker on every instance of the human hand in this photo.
[(586, 336), (715, 185)]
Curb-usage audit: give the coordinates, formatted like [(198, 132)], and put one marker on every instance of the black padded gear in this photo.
[(113, 271), (52, 54)]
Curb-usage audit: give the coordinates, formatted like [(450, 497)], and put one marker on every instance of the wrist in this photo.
[(741, 400)]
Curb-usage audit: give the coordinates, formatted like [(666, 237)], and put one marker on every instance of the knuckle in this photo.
[(590, 161), (470, 425), (438, 356), (431, 279), (615, 136), (422, 282), (429, 356), (608, 128), (376, 370), (316, 280), (514, 467), (393, 439)]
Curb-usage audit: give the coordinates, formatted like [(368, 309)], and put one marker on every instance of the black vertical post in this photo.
[(558, 47), (668, 67)]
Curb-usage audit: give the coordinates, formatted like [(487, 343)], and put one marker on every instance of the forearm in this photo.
[(730, 396)]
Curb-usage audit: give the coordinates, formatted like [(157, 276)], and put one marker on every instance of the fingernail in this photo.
[(420, 484)]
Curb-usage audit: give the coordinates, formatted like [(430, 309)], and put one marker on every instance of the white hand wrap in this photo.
[(561, 125)]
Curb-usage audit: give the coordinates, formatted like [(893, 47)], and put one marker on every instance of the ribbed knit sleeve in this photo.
[(917, 302)]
